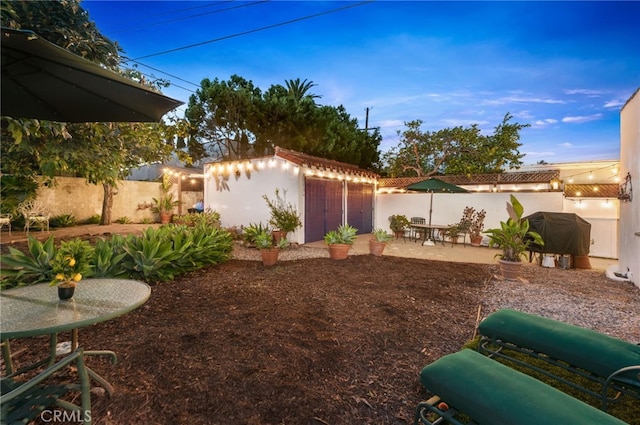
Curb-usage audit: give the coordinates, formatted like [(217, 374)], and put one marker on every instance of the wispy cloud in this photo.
[(544, 123), (523, 99), (581, 119), (614, 103), (566, 145), (586, 92)]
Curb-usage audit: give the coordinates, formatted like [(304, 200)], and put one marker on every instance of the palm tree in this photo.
[(298, 89)]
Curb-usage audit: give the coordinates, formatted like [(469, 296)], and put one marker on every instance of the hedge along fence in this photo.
[(132, 199)]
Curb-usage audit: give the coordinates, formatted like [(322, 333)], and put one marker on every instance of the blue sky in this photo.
[(565, 68)]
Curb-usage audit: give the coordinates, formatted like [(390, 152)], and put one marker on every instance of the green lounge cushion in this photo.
[(492, 393), (589, 350)]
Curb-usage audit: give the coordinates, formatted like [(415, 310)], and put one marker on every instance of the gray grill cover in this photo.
[(563, 233)]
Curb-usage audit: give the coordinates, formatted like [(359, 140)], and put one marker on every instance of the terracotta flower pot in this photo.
[(338, 251), (165, 218), (510, 269), (269, 256), (376, 247), (476, 240)]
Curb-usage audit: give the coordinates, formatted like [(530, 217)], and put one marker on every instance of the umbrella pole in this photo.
[(430, 242)]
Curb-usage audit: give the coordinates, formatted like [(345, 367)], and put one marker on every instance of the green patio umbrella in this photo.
[(432, 185), (43, 81)]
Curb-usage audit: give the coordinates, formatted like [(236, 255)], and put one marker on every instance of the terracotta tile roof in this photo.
[(591, 190), (302, 159), (544, 176)]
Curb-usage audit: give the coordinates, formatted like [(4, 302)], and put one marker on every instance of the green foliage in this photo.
[(156, 255), (123, 220), (458, 150), (107, 257), (164, 203), (399, 223), (146, 220), (344, 234), (72, 261), (94, 219), (63, 220), (252, 231), (513, 236), (381, 235), (284, 216), (164, 253), (34, 266), (206, 218), (265, 240)]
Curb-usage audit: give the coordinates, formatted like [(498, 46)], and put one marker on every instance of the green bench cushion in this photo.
[(589, 350), (492, 393)]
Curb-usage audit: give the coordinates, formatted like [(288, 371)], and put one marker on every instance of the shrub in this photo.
[(63, 220), (123, 220), (94, 219), (20, 268)]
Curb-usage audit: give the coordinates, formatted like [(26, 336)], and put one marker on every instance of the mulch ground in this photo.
[(313, 341)]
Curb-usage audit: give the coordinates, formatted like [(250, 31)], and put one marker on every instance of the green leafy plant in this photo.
[(71, 262), (107, 257), (94, 219), (284, 216), (63, 220), (399, 223), (34, 266), (251, 231), (165, 203), (123, 220), (265, 240), (513, 236), (381, 235), (344, 234)]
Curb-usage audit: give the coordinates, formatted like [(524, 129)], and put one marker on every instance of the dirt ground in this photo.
[(313, 341)]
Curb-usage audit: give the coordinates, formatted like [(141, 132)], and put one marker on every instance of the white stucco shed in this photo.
[(326, 193)]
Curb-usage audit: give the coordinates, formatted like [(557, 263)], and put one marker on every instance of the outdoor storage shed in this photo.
[(563, 233), (326, 193)]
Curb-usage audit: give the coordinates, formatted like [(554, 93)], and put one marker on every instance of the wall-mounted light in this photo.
[(625, 190)]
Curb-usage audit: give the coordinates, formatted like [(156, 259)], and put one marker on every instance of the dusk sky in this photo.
[(565, 68)]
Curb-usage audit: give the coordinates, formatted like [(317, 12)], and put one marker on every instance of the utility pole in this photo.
[(366, 121)]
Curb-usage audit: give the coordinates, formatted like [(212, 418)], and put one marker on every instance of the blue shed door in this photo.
[(360, 206), (323, 207)]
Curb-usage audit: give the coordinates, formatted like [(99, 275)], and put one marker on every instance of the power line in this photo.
[(255, 30), (193, 16)]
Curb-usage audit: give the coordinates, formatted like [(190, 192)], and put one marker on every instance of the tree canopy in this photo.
[(457, 150), (234, 119)]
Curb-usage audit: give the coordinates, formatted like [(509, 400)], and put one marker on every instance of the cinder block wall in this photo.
[(73, 195)]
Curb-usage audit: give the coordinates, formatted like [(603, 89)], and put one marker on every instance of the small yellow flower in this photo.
[(60, 276), (77, 277), (72, 261)]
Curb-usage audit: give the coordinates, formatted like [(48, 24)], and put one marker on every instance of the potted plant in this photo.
[(399, 224), (69, 265), (380, 239), (284, 216), (340, 241), (269, 248), (476, 227), (513, 237), (165, 203)]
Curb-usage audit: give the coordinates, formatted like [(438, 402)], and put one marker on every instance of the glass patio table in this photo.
[(431, 232), (36, 310)]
